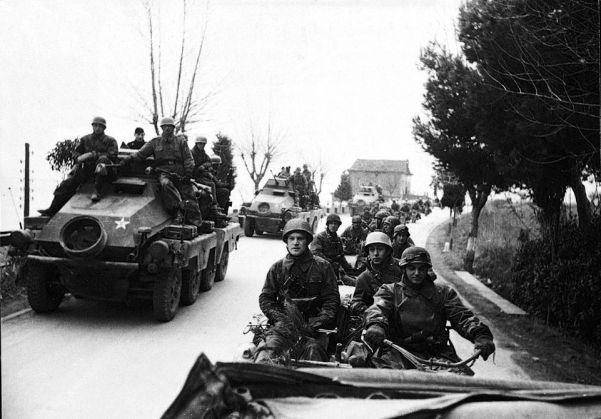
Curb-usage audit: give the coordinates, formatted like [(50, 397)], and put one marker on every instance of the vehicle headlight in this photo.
[(264, 207), (158, 250)]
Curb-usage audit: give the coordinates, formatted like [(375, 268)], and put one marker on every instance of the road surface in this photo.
[(96, 360)]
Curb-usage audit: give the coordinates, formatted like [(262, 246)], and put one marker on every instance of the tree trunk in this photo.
[(479, 196), (582, 203)]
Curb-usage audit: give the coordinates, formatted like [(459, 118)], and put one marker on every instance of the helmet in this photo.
[(215, 160), (139, 130), (415, 255), (201, 140), (167, 121), (382, 214), (356, 219), (333, 218), (392, 220), (401, 229), (297, 224), (297, 170), (99, 120), (305, 166), (377, 237)]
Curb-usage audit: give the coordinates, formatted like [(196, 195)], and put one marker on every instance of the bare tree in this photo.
[(188, 104), (259, 150), (319, 171)]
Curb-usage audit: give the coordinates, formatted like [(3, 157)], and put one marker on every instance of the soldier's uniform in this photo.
[(329, 246), (105, 151), (135, 144), (352, 237), (399, 248), (415, 318), (370, 280), (310, 281), (172, 154), (299, 184)]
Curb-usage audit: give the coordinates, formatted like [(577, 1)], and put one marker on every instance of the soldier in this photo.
[(413, 313), (138, 141), (353, 236), (307, 280), (401, 240), (382, 268), (366, 217), (299, 184), (395, 206), (203, 165), (389, 224), (222, 186), (283, 172), (175, 165), (328, 245), (307, 174), (378, 221), (91, 154)]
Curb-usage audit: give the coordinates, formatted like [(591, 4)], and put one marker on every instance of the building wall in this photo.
[(399, 182)]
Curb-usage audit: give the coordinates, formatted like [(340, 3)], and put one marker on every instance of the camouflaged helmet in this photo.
[(215, 160), (401, 229), (382, 214), (392, 221), (333, 218), (297, 224), (415, 255), (200, 140), (356, 219), (99, 120), (167, 121), (376, 237)]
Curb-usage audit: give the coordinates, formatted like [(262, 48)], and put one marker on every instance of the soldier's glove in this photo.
[(485, 345), (375, 335), (86, 156)]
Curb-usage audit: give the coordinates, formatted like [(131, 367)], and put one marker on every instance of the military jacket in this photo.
[(370, 280), (398, 249), (135, 144), (355, 235), (103, 145), (327, 246), (202, 162), (412, 315), (309, 277), (170, 153)]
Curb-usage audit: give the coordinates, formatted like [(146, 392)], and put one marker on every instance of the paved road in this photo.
[(108, 361)]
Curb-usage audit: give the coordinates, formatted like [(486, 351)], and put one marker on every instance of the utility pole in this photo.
[(26, 185)]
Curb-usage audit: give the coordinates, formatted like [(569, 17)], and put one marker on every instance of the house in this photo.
[(393, 176)]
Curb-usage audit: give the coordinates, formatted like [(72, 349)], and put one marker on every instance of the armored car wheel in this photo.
[(222, 267), (44, 291), (249, 227), (207, 278), (190, 285), (166, 294)]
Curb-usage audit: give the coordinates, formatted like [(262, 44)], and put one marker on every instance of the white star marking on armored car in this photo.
[(121, 224)]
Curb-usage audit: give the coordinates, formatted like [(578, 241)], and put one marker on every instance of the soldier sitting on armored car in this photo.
[(354, 236), (328, 245), (92, 153), (174, 164)]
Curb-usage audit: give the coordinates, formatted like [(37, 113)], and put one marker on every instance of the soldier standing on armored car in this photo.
[(174, 163), (91, 154)]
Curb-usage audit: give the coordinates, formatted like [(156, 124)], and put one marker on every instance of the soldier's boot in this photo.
[(55, 206)]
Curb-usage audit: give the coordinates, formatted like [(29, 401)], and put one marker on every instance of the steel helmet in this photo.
[(297, 224), (167, 121), (356, 219), (201, 140), (99, 120), (401, 229), (377, 237), (215, 160), (415, 255), (382, 214), (333, 218), (392, 220)]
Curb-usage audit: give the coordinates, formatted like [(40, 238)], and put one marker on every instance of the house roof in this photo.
[(364, 165)]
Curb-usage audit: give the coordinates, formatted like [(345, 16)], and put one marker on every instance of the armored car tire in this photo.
[(166, 294), (207, 278), (249, 227), (190, 285), (44, 291), (222, 267)]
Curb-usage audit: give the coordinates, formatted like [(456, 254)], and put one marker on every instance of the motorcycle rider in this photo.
[(378, 221), (353, 236), (401, 240), (413, 313), (328, 245), (308, 281), (382, 268), (91, 154), (175, 166)]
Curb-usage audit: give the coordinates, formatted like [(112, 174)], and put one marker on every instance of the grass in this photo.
[(502, 225)]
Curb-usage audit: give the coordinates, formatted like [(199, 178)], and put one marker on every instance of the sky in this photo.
[(338, 80)]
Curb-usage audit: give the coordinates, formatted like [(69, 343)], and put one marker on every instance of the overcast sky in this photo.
[(339, 79)]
